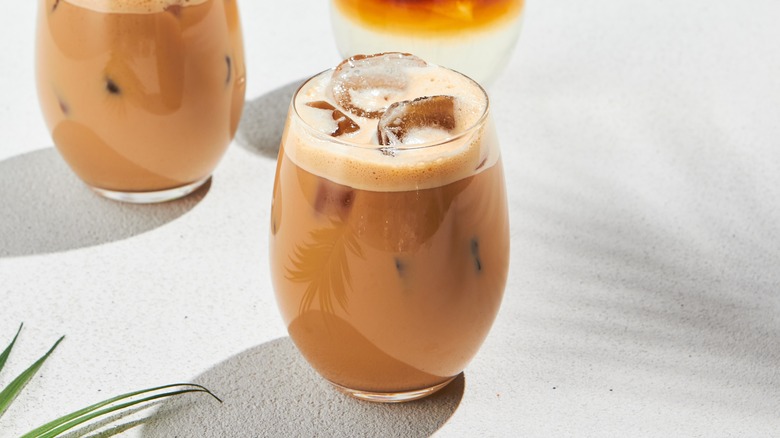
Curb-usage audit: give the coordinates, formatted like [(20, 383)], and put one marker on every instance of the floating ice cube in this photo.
[(365, 85), (343, 124), (174, 9), (333, 199), (417, 121)]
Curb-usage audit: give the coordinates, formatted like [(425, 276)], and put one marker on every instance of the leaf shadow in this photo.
[(322, 263), (270, 390), (652, 300), (47, 209), (263, 120)]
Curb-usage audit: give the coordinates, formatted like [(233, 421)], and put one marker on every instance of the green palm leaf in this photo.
[(7, 351), (76, 418), (66, 422), (15, 387)]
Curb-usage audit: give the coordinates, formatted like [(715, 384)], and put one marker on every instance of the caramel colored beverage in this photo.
[(389, 230), (141, 96), (475, 37)]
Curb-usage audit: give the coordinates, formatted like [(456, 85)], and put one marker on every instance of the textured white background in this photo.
[(642, 146)]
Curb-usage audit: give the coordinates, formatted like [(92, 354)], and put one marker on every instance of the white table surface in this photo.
[(642, 146)]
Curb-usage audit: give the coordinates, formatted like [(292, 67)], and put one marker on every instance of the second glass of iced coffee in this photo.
[(142, 97), (389, 239), (475, 37)]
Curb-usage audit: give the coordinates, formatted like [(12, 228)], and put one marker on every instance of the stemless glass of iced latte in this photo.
[(142, 97), (389, 239), (475, 37)]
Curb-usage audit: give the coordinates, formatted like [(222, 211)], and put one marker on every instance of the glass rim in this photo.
[(477, 124)]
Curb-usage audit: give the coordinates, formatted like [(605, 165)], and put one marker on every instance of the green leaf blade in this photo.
[(15, 387), (4, 355), (108, 406)]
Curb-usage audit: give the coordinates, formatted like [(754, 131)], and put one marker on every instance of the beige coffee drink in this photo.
[(141, 96), (389, 231)]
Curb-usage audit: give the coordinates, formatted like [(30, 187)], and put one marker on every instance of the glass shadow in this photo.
[(270, 390), (262, 122), (46, 208)]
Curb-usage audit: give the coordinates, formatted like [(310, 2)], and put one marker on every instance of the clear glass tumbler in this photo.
[(475, 37), (389, 238), (141, 98)]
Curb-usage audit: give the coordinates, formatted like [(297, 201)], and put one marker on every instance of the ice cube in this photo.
[(112, 87), (63, 106), (344, 125), (475, 254), (174, 10), (229, 63), (417, 121), (365, 85), (333, 199)]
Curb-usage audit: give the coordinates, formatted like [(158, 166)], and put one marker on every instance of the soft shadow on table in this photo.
[(270, 390), (262, 123), (45, 208), (675, 304)]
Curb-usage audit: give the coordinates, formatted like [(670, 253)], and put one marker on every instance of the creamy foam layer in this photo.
[(133, 6), (357, 160)]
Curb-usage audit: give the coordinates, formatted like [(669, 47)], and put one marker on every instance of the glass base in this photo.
[(152, 197), (391, 397)]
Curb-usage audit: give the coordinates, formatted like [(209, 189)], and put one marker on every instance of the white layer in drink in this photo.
[(480, 53)]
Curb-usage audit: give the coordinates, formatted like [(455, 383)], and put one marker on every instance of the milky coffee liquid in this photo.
[(140, 95), (389, 267)]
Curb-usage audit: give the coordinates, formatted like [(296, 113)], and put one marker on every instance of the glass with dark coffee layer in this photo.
[(389, 238), (475, 37), (142, 97)]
